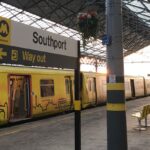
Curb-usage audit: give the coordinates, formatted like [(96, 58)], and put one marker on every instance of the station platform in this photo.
[(57, 133)]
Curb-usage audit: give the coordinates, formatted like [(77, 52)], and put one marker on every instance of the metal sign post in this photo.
[(77, 104)]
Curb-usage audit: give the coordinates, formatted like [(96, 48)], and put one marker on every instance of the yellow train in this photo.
[(30, 92)]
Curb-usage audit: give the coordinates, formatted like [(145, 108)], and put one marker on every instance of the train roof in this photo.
[(32, 70), (93, 74), (134, 76)]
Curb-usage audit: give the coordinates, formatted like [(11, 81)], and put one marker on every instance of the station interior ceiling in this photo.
[(60, 17)]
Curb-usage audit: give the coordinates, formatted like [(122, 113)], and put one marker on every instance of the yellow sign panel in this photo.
[(5, 31), (2, 53), (77, 105)]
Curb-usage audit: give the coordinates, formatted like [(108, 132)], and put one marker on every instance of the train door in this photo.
[(92, 90), (95, 91), (19, 88), (69, 90), (132, 87)]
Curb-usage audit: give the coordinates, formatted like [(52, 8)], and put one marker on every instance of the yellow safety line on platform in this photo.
[(77, 105), (115, 107), (115, 86)]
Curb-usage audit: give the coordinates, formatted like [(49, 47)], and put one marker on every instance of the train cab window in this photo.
[(67, 83), (47, 88), (91, 85)]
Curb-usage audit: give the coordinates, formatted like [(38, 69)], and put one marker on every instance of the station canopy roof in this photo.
[(60, 16)]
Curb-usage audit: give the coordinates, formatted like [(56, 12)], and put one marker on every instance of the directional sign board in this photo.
[(26, 45)]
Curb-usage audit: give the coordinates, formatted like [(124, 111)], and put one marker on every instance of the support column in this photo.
[(116, 115)]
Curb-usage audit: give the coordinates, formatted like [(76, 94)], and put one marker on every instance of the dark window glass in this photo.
[(67, 83), (93, 85), (89, 85), (47, 88)]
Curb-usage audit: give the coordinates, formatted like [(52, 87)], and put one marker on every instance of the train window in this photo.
[(67, 83), (93, 85), (89, 85), (47, 88)]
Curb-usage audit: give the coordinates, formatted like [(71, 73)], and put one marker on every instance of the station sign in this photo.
[(26, 45)]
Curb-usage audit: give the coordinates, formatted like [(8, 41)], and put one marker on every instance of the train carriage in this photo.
[(134, 86), (88, 92), (31, 92), (137, 86), (147, 86), (128, 91), (101, 88), (28, 92), (93, 89)]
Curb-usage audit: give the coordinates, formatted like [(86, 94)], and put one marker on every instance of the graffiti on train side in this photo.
[(3, 110), (60, 105)]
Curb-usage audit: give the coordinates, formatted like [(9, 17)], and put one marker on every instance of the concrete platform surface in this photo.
[(57, 133)]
